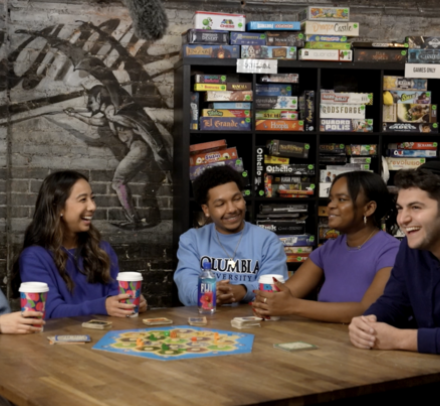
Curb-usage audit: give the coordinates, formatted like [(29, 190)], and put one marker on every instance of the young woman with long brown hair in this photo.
[(63, 249)]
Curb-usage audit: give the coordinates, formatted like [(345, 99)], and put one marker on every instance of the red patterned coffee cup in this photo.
[(131, 283)]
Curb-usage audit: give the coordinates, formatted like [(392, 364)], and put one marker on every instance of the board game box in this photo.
[(348, 29), (270, 159), (273, 90), (307, 109), (327, 45), (234, 96), (272, 102), (273, 26), (267, 52), (304, 240), (423, 153), (312, 13), (230, 106), (205, 37), (410, 127), (288, 148), (204, 87), (194, 111), (401, 83), (196, 170), (332, 148), (211, 51), (396, 164), (325, 55), (330, 97), (361, 149), (218, 79), (168, 343), (280, 78), (380, 55), (406, 97), (286, 39), (276, 114), (342, 111), (428, 145), (219, 21), (292, 169), (213, 156), (281, 227), (420, 42), (248, 38), (424, 56), (326, 38), (225, 124), (207, 146), (349, 125), (279, 125), (410, 113), (370, 44), (225, 113)]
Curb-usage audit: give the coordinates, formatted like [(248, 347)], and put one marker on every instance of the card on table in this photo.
[(295, 346), (197, 321), (97, 324), (69, 339), (157, 321)]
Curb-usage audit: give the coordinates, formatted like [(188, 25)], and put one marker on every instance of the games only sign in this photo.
[(422, 70)]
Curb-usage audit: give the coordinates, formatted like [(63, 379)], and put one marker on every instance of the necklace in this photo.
[(359, 246), (231, 261)]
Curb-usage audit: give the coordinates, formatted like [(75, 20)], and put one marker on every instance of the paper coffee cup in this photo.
[(267, 284), (131, 283), (33, 297)]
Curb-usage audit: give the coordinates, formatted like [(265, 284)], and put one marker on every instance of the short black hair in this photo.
[(423, 178), (374, 189), (212, 177)]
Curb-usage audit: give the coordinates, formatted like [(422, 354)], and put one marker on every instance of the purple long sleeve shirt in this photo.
[(413, 290), (37, 265)]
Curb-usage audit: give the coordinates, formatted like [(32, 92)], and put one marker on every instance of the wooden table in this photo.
[(32, 372)]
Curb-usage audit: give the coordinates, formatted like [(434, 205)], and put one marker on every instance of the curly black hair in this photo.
[(212, 177), (422, 178)]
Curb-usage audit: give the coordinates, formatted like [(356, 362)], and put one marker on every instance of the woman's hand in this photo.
[(115, 308), (143, 304), (274, 303), (21, 322)]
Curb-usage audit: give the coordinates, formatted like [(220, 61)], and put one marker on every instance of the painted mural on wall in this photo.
[(85, 76)]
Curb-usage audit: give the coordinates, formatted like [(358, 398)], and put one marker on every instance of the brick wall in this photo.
[(38, 84)]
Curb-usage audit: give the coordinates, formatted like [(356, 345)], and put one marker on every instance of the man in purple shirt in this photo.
[(412, 294)]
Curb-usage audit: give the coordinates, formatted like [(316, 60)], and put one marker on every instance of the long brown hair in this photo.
[(46, 231)]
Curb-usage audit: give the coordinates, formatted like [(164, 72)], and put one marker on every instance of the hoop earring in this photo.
[(365, 219), (61, 215)]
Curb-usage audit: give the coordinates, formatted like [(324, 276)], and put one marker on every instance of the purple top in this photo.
[(37, 265), (349, 272)]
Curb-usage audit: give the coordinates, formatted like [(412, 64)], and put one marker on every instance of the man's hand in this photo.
[(361, 331), (228, 293), (21, 322), (115, 308), (273, 303)]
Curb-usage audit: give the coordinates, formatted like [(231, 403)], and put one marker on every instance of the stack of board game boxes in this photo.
[(359, 160), (277, 176), (326, 31), (379, 51), (215, 153), (345, 112), (229, 108), (278, 108), (324, 231), (408, 155), (288, 222), (407, 106)]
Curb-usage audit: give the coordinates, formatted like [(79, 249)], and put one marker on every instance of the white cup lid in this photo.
[(129, 276), (268, 279), (33, 287)]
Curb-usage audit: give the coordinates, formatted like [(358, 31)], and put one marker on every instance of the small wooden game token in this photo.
[(166, 333), (194, 339), (139, 342), (173, 334)]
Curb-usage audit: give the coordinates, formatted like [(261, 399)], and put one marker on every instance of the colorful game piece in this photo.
[(192, 342)]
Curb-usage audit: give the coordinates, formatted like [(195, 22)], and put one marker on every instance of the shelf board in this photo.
[(202, 132), (284, 200), (297, 64)]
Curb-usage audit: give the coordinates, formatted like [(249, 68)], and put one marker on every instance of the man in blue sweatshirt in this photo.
[(412, 294), (239, 252)]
